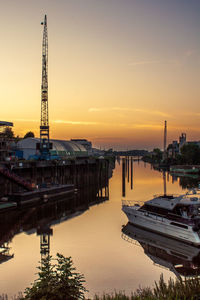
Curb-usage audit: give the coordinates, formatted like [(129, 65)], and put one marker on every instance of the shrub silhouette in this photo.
[(58, 280)]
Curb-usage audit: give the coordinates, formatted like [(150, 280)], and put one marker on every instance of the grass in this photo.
[(188, 289)]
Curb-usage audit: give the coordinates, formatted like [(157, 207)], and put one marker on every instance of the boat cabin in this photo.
[(185, 206)]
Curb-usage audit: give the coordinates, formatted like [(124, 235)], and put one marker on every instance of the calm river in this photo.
[(109, 259)]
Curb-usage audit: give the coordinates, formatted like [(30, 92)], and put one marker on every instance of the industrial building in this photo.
[(175, 147), (87, 144), (61, 148), (5, 141)]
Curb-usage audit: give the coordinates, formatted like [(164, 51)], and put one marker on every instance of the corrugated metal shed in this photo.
[(61, 148)]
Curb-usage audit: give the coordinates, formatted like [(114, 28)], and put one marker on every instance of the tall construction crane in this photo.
[(44, 146)]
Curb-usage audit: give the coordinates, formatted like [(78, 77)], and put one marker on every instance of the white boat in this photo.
[(174, 216)]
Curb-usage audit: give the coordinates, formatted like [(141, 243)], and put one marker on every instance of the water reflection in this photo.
[(5, 252), (91, 236), (189, 182), (127, 172), (180, 258), (39, 219), (186, 181)]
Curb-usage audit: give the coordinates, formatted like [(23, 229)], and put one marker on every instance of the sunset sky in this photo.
[(117, 69)]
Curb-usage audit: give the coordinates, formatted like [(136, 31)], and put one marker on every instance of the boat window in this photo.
[(179, 254), (193, 210), (153, 209), (179, 225), (185, 212)]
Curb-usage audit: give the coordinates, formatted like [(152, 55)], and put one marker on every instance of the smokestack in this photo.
[(165, 141)]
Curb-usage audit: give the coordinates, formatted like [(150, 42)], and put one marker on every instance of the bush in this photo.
[(29, 134), (188, 289), (56, 281)]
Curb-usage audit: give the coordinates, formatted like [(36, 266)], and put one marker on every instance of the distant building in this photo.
[(61, 148), (97, 152), (5, 142), (175, 148), (182, 140), (87, 144)]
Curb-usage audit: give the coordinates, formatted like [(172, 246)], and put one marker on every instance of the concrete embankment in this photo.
[(62, 176)]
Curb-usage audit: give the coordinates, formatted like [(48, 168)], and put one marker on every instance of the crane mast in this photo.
[(44, 145)]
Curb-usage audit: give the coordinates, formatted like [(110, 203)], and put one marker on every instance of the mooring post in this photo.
[(123, 177), (128, 167), (131, 172)]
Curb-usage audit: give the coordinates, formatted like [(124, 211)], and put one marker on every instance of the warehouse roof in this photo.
[(60, 146)]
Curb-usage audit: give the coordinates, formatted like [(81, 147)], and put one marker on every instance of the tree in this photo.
[(190, 154), (57, 281), (29, 134), (8, 132), (157, 153)]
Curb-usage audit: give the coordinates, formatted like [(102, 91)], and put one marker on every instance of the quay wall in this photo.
[(80, 172)]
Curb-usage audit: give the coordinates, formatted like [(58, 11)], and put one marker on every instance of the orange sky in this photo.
[(117, 69)]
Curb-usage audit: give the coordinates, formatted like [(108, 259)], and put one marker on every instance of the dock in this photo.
[(41, 194)]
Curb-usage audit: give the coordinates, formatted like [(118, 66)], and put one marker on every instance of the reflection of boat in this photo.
[(179, 257), (4, 253), (174, 216), (184, 169), (194, 176)]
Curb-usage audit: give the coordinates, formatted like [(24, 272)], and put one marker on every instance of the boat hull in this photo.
[(162, 225)]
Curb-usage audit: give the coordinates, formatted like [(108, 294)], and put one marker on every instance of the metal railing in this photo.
[(153, 215), (150, 214), (132, 203), (16, 178), (128, 239), (166, 196)]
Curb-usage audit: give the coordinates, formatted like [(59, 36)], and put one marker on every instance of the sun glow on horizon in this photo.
[(117, 70)]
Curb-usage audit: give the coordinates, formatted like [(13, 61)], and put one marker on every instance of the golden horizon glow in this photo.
[(117, 70)]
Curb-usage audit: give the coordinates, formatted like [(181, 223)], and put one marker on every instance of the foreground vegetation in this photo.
[(173, 290), (58, 279)]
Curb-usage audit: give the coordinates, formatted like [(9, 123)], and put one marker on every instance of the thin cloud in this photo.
[(60, 122), (26, 120), (197, 114), (109, 138), (154, 112), (142, 126), (189, 53), (160, 62), (121, 109), (74, 122), (93, 109), (144, 62), (190, 113), (147, 126)]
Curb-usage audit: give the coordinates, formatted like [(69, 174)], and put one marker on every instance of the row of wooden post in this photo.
[(127, 168)]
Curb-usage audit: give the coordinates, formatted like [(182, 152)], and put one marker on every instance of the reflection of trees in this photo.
[(190, 154), (189, 182)]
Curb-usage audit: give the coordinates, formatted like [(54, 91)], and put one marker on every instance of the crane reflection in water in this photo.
[(40, 219)]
